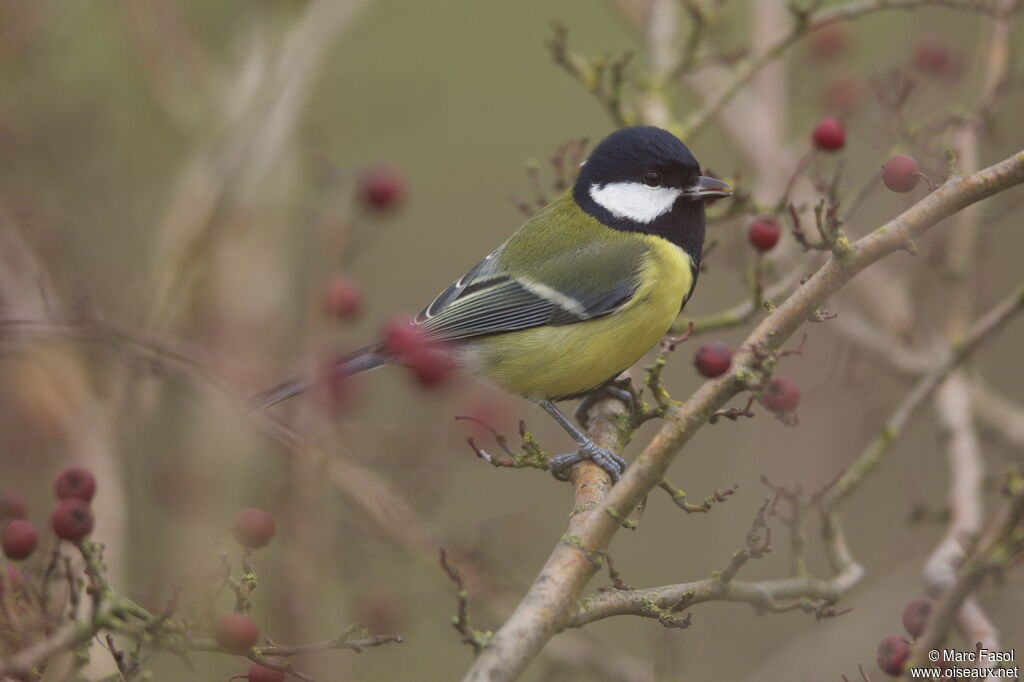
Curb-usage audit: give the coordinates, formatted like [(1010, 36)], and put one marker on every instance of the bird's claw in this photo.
[(606, 459), (620, 390)]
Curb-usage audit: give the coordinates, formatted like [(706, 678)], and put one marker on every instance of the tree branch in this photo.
[(550, 603), (765, 595), (953, 399), (999, 413), (999, 547)]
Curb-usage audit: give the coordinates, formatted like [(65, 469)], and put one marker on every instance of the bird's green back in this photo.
[(553, 246)]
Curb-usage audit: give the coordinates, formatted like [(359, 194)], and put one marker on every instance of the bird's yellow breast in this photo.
[(553, 362)]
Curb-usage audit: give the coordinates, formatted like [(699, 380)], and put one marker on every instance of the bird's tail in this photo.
[(358, 361)]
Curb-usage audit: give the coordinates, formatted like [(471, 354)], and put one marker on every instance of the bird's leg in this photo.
[(603, 457), (619, 389)]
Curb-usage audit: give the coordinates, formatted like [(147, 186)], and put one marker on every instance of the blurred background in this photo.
[(196, 172)]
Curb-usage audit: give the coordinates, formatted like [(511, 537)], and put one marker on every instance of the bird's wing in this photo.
[(497, 296), (477, 277)]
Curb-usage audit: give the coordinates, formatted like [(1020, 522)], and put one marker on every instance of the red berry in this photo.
[(429, 362), (901, 173), (430, 365), (261, 673), (933, 55), (381, 187), (915, 615), (253, 528), (781, 395), (844, 94), (342, 297), (893, 652), (402, 339), (829, 134), (72, 519), (12, 505), (764, 233), (19, 539), (236, 632), (830, 40), (75, 482), (713, 359)]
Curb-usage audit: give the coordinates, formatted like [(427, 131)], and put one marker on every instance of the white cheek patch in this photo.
[(634, 200)]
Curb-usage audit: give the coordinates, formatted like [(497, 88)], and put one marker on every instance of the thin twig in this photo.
[(470, 635), (871, 457), (749, 67)]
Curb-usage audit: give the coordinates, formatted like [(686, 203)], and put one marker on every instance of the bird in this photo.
[(579, 293)]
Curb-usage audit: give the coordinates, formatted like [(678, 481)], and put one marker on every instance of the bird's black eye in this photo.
[(652, 178)]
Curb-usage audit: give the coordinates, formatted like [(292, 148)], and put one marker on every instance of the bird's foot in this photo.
[(561, 465), (620, 390)]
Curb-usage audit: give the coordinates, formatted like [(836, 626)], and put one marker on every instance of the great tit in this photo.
[(580, 292)]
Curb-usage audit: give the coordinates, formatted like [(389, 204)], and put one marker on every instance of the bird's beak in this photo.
[(708, 188)]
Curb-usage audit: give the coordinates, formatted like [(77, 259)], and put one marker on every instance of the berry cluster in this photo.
[(235, 632), (71, 518), (894, 650), (252, 528), (428, 361), (119, 618)]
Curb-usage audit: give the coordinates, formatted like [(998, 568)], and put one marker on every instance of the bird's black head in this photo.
[(644, 179)]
